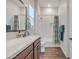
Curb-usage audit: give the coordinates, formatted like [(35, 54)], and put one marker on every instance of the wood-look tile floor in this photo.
[(53, 53)]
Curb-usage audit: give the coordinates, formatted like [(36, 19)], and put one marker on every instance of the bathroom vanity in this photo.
[(24, 48)]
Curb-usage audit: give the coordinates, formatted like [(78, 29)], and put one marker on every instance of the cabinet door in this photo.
[(39, 51), (36, 53), (30, 56)]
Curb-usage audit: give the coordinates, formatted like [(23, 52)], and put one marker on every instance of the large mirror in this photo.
[(17, 22), (19, 16), (15, 16)]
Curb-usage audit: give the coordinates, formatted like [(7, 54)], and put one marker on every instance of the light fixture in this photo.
[(49, 5), (49, 10)]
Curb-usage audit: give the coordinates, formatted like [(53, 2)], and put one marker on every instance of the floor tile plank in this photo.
[(53, 53)]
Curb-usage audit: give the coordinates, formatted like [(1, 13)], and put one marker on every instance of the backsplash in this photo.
[(11, 35)]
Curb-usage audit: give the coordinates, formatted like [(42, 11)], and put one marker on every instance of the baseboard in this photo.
[(64, 52), (52, 45)]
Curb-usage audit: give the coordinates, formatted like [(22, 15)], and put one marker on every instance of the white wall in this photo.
[(22, 11), (36, 13), (70, 18), (48, 11), (63, 20), (70, 26)]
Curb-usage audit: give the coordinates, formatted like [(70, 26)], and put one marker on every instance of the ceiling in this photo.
[(18, 3), (49, 3), (42, 3)]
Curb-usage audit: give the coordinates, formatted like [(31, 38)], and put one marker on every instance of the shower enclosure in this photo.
[(56, 29), (47, 28)]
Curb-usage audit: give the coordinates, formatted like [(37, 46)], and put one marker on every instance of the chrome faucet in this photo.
[(26, 33)]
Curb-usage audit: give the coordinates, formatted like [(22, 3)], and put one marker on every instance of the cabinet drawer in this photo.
[(37, 41), (24, 53)]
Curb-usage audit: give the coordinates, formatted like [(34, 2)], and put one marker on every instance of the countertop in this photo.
[(15, 46)]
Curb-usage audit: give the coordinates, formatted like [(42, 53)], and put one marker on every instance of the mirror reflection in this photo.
[(16, 23)]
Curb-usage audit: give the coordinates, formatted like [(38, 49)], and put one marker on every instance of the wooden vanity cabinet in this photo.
[(25, 54), (37, 46), (31, 52)]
